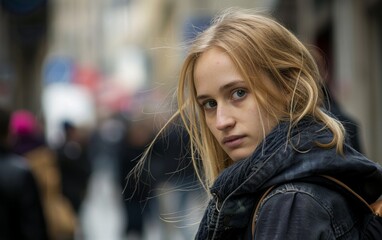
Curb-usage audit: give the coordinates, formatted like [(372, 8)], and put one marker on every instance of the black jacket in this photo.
[(21, 213), (297, 210)]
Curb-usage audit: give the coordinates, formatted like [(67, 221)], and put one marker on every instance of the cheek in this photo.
[(208, 123), (253, 120), (261, 123)]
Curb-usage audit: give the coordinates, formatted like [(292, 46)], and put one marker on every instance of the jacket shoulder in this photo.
[(301, 210)]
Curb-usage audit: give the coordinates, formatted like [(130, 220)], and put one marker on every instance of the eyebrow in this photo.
[(221, 89)]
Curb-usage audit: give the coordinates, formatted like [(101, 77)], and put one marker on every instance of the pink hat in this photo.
[(23, 123)]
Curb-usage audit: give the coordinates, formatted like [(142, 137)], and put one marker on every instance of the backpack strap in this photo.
[(258, 207), (375, 208)]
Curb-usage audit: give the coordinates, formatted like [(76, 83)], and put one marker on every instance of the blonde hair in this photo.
[(257, 45)]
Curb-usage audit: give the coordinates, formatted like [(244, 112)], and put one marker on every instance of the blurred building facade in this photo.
[(23, 41), (136, 44), (349, 34)]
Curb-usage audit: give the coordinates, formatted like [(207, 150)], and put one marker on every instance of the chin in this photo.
[(240, 155)]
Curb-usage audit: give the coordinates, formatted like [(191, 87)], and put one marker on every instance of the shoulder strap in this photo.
[(375, 208), (258, 206)]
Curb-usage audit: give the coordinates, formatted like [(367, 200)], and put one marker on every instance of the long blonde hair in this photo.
[(257, 44)]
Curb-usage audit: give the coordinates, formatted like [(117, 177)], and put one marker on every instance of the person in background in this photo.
[(351, 125), (137, 135), (176, 188), (74, 165), (249, 94), (28, 141), (331, 104), (21, 212)]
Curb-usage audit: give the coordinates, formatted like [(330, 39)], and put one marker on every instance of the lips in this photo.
[(233, 141)]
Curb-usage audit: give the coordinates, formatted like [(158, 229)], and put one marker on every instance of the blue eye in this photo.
[(238, 94), (209, 104)]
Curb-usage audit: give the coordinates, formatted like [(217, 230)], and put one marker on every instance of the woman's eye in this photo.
[(209, 104), (238, 94)]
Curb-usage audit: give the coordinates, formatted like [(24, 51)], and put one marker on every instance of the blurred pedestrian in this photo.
[(74, 164), (28, 141), (350, 124), (176, 188), (138, 134), (21, 212), (331, 104)]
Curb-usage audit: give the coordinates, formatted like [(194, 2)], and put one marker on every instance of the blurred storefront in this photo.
[(23, 43)]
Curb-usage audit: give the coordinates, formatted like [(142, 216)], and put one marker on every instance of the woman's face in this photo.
[(231, 110)]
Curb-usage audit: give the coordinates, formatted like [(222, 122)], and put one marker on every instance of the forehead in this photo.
[(215, 71), (213, 52), (212, 62)]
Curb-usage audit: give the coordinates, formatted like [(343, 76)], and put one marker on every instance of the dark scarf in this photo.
[(277, 160)]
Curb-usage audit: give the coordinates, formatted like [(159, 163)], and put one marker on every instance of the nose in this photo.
[(224, 118)]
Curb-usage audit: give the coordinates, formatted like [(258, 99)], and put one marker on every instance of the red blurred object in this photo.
[(87, 77), (113, 97)]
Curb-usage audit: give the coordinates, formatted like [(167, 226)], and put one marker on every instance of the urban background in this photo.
[(97, 78)]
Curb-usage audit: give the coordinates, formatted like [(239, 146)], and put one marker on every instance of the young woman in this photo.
[(250, 98)]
